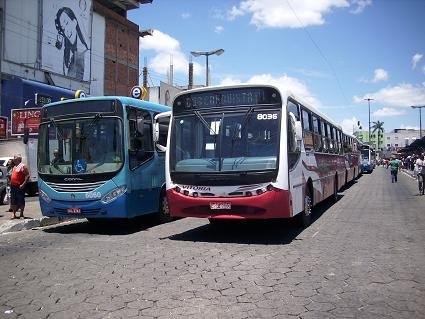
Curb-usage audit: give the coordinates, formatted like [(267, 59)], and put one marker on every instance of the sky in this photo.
[(332, 54)]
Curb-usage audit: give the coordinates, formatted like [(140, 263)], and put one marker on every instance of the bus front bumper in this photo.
[(275, 203)]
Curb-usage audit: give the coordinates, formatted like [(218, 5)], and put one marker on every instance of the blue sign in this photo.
[(80, 166)]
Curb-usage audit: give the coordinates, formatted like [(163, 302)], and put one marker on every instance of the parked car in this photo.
[(3, 183), (4, 160)]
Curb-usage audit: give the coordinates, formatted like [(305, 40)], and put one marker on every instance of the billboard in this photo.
[(66, 38), (3, 127), (21, 118)]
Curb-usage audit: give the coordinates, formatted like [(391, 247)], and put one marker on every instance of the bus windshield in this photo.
[(227, 141), (365, 154), (81, 146)]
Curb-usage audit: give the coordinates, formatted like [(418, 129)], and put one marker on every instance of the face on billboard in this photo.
[(68, 26)]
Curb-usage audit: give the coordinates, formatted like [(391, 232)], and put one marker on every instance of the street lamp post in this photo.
[(368, 102), (420, 117), (207, 54)]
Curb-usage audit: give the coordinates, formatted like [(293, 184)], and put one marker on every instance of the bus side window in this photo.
[(292, 107), (316, 131), (323, 134), (308, 135)]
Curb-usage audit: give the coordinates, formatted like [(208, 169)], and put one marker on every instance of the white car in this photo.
[(4, 160)]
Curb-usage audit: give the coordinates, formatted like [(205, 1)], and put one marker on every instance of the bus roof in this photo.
[(150, 106)]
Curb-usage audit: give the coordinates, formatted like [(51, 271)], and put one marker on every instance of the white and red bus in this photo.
[(251, 152)]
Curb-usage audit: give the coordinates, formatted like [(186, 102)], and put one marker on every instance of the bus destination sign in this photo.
[(231, 97)]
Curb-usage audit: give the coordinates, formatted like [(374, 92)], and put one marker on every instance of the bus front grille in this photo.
[(74, 187)]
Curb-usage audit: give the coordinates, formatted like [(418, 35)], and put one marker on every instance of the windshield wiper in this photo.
[(205, 123), (52, 120), (90, 126), (244, 122)]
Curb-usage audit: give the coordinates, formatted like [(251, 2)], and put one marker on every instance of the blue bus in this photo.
[(368, 158), (102, 158)]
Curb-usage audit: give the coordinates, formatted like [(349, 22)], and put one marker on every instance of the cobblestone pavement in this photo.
[(363, 257)]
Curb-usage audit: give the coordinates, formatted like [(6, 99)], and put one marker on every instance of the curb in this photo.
[(18, 225)]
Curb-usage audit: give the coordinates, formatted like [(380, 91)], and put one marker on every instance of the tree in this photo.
[(378, 127)]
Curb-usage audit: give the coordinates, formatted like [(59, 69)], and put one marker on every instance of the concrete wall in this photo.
[(98, 55)]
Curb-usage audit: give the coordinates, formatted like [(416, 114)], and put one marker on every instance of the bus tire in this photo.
[(305, 216), (164, 210)]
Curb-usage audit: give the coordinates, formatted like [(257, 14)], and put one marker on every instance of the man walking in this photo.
[(420, 171), (18, 180), (394, 165)]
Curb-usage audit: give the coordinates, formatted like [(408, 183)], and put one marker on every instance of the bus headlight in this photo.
[(44, 196), (112, 195)]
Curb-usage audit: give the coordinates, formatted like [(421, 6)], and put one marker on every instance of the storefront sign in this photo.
[(22, 118), (42, 99), (3, 128)]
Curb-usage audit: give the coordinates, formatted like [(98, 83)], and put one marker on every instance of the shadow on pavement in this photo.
[(106, 227), (261, 232)]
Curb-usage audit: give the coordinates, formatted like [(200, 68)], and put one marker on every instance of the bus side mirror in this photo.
[(160, 130), (296, 128), (298, 131), (26, 135)]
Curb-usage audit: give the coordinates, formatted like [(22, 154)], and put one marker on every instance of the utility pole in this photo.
[(420, 117), (368, 102)]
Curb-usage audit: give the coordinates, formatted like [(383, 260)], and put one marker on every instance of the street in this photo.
[(363, 257)]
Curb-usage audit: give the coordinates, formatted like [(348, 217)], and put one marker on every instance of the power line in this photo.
[(320, 51)]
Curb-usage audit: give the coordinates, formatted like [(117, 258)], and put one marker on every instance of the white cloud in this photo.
[(423, 69), (185, 15), (415, 60), (388, 112), (402, 95), (219, 29), (348, 125), (286, 14), (284, 83), (167, 49), (160, 42), (378, 76), (234, 13), (361, 5)]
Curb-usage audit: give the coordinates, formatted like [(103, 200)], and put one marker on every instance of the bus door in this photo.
[(143, 180)]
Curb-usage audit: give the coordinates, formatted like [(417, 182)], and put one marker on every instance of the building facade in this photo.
[(399, 138), (363, 137), (55, 47)]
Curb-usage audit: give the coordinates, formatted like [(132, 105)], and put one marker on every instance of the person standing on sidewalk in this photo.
[(420, 171), (10, 165), (394, 165), (18, 180)]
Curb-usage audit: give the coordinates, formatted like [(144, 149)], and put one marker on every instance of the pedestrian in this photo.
[(18, 180), (420, 171), (10, 164), (394, 165)]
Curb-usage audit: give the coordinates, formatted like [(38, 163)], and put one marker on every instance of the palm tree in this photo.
[(378, 127)]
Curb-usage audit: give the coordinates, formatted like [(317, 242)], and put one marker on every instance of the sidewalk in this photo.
[(33, 217)]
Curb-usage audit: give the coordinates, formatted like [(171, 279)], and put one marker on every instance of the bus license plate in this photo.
[(74, 210), (220, 205)]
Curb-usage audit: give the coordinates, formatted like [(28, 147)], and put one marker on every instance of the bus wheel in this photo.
[(164, 210), (305, 216)]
